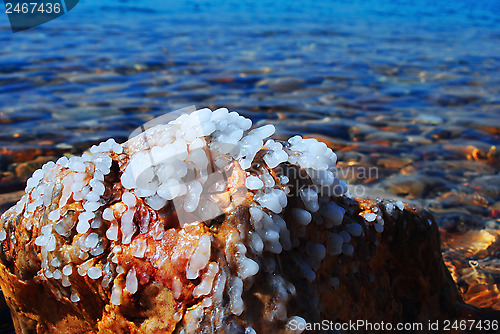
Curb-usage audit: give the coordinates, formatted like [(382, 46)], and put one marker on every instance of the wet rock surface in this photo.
[(94, 245)]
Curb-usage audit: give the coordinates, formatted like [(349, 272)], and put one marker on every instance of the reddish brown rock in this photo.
[(394, 276), (106, 243)]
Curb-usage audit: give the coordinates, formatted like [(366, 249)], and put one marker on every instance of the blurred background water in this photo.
[(409, 87)]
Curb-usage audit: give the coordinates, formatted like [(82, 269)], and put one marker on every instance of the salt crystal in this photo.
[(74, 297), (41, 240), (347, 249), (193, 196), (91, 206), (254, 183), (76, 164), (117, 148), (333, 214), (345, 236), (57, 274), (67, 270), (334, 244), (108, 214), (63, 161), (305, 269), (144, 192), (310, 199), (94, 273), (112, 232), (97, 186), (334, 281), (79, 177), (268, 180), (98, 250), (270, 200), (116, 295), (51, 243), (48, 273), (355, 229), (369, 217), (316, 251), (54, 215), (93, 196), (127, 179), (81, 271), (263, 132), (199, 259), (256, 243), (284, 179), (86, 216), (128, 227), (295, 324), (244, 123), (236, 304), (98, 175), (96, 223), (379, 227), (389, 207), (276, 156), (55, 263), (65, 282), (82, 227), (301, 216), (92, 240), (105, 281), (156, 202), (172, 188), (205, 285), (129, 199), (131, 283), (247, 268)]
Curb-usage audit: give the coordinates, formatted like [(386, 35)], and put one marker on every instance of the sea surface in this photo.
[(406, 92)]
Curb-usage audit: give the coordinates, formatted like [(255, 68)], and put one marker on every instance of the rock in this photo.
[(281, 84), (494, 157), (121, 240), (473, 260), (429, 119), (9, 199), (394, 162), (25, 169), (488, 185), (10, 183), (413, 186)]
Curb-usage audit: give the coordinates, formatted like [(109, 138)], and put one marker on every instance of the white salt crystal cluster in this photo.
[(177, 163), (200, 257)]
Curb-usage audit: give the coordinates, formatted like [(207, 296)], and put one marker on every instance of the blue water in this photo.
[(116, 59), (411, 81)]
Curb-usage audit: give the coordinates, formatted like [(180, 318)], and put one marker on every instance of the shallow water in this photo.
[(412, 90)]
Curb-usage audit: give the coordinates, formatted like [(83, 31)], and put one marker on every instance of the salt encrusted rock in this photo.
[(207, 226)]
